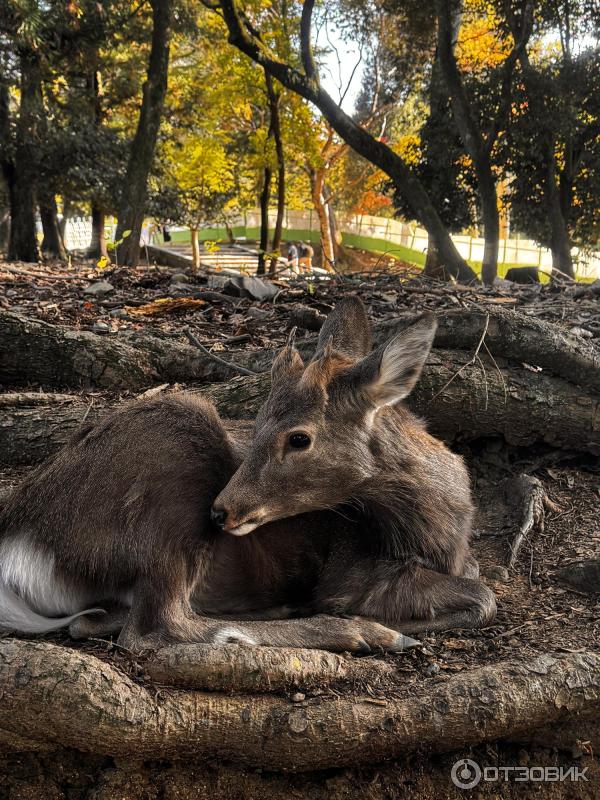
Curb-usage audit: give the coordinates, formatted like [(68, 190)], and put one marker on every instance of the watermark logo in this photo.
[(466, 774)]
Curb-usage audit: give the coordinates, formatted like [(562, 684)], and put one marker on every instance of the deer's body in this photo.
[(371, 517)]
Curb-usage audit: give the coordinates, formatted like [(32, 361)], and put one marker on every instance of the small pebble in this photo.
[(497, 573), (298, 697), (100, 327), (432, 669)]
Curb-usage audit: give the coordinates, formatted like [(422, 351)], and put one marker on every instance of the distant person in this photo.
[(166, 233), (292, 257), (306, 256)]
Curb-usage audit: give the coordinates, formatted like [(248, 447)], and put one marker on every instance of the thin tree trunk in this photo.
[(265, 194), (98, 248), (560, 241), (491, 222), (275, 130), (135, 184), (449, 21), (195, 249), (23, 238), (52, 243), (317, 184), (433, 266)]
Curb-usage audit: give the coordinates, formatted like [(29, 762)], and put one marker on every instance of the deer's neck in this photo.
[(418, 500)]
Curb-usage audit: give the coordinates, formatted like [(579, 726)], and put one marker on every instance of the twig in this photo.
[(235, 367), (468, 363)]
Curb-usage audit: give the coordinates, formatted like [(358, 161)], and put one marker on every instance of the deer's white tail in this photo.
[(16, 615)]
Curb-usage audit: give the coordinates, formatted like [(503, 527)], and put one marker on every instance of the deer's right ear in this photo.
[(287, 363), (390, 373), (346, 330)]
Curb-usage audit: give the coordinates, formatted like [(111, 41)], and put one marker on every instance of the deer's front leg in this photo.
[(322, 632)]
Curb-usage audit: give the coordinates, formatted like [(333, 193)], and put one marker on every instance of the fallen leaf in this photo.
[(164, 306)]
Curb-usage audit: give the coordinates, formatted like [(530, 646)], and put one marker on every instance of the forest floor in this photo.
[(537, 613)]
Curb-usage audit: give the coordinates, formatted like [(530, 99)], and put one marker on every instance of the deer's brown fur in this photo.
[(369, 523)]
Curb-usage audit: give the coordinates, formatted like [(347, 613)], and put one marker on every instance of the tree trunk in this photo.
[(433, 266), (135, 183), (98, 248), (263, 245), (52, 243), (23, 237), (195, 249), (560, 241), (317, 187), (491, 222), (366, 145), (449, 21), (275, 129)]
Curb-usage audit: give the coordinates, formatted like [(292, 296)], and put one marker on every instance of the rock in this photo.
[(249, 286), (100, 327), (257, 313), (581, 332), (119, 313), (432, 669), (497, 573), (99, 289), (179, 277), (298, 697), (584, 576), (594, 287)]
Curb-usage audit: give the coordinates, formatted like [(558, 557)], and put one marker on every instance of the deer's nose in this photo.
[(218, 517)]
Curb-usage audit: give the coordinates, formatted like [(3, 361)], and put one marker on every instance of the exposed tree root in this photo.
[(58, 697), (266, 669)]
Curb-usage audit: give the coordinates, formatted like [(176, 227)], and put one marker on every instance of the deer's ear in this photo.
[(390, 373), (287, 363), (346, 330)]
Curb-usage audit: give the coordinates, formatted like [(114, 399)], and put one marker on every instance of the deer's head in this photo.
[(313, 443)]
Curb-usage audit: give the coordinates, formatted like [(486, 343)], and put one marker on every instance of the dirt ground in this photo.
[(536, 612)]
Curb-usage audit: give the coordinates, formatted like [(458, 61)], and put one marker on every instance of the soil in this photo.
[(536, 613)]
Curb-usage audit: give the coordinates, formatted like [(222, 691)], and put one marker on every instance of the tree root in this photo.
[(266, 669), (526, 495), (59, 697)]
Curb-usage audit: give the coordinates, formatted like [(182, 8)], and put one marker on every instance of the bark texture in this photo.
[(57, 697), (133, 198), (539, 384)]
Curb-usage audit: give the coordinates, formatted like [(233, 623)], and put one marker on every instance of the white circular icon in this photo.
[(465, 773)]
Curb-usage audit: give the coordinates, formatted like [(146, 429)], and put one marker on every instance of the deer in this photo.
[(340, 523)]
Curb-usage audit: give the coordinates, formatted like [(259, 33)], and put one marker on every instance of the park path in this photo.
[(237, 257)]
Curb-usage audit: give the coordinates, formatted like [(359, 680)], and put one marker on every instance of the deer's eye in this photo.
[(299, 441)]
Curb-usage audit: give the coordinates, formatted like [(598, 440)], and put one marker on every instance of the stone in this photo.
[(497, 573), (249, 287), (584, 576), (298, 697), (99, 289), (179, 277), (100, 327)]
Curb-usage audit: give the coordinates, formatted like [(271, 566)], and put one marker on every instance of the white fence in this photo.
[(391, 232)]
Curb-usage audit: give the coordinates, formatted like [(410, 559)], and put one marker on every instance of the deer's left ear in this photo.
[(287, 363), (390, 373)]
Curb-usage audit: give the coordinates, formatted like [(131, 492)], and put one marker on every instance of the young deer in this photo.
[(356, 513)]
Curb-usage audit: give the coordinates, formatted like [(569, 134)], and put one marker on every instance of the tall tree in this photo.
[(555, 132), (132, 205), (245, 35), (480, 135)]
